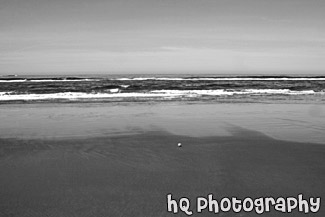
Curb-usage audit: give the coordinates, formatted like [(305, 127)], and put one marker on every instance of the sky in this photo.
[(162, 36)]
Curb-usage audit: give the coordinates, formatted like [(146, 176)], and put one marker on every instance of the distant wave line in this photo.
[(173, 79)]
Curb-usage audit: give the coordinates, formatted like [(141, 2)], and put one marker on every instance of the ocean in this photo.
[(129, 88)]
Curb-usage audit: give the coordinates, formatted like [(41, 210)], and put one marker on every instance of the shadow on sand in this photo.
[(131, 175)]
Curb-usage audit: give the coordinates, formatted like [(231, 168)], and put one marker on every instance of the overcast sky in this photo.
[(162, 36)]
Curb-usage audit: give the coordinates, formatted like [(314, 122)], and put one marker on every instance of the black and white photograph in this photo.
[(158, 108)]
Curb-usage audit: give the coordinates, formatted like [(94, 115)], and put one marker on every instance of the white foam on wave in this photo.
[(76, 95), (115, 90), (233, 92), (16, 80), (115, 93), (5, 93)]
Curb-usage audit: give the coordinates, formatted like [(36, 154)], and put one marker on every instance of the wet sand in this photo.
[(131, 175), (291, 122), (96, 159)]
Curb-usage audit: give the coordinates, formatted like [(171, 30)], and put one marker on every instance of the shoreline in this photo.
[(130, 98), (292, 122)]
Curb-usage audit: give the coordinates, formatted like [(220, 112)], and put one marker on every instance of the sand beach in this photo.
[(122, 159)]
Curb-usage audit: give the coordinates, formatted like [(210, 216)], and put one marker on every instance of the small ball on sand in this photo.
[(179, 145)]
